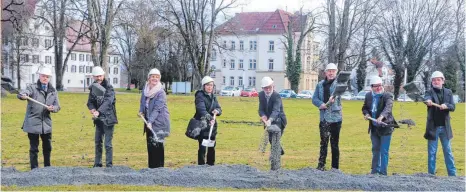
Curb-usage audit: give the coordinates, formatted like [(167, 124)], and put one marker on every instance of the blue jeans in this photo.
[(447, 154), (380, 147)]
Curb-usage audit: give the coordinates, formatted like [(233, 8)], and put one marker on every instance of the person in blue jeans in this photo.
[(378, 105), (438, 123)]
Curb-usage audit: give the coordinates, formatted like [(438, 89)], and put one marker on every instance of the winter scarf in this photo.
[(150, 93)]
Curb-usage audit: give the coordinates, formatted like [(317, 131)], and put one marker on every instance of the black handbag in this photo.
[(191, 131)]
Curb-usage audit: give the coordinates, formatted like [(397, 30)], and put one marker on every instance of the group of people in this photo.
[(153, 108)]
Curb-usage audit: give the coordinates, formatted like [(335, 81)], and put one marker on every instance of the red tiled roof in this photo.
[(84, 44), (258, 23)]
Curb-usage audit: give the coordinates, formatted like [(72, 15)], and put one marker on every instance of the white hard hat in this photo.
[(266, 81), (206, 80), (96, 71), (331, 66), (45, 71), (437, 74), (375, 80), (153, 71)]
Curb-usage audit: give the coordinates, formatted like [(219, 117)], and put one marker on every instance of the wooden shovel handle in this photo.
[(35, 101)]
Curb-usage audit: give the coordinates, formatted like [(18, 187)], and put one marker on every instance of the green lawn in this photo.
[(73, 136)]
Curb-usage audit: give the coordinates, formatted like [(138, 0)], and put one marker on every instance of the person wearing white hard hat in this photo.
[(153, 107), (330, 116), (438, 124), (378, 105), (101, 105), (38, 122), (207, 106), (271, 107)]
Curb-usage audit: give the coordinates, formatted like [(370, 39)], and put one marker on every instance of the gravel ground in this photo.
[(229, 176)]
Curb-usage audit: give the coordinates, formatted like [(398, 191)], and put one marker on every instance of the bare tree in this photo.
[(460, 40), (195, 21)]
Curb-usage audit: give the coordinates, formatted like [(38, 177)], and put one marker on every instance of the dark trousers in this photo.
[(102, 131), (270, 140), (210, 152), (34, 148), (329, 131), (155, 151)]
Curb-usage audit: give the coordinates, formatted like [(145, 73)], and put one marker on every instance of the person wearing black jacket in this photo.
[(271, 107), (104, 112), (206, 107)]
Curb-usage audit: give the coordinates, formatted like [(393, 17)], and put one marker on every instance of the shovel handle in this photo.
[(375, 120), (153, 132), (35, 101)]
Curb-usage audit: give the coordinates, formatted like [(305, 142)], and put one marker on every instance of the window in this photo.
[(115, 80), (81, 57), (224, 63), (73, 68), (48, 43), (233, 45), (212, 68), (270, 64), (69, 81), (250, 45), (73, 56), (232, 81), (24, 41), (225, 44), (88, 57), (240, 64), (32, 78), (115, 60), (87, 69), (214, 55), (35, 42), (224, 80), (274, 26), (81, 69), (24, 57), (240, 81), (253, 64), (115, 70), (241, 45), (250, 81), (253, 45), (308, 63), (232, 64), (48, 59), (82, 82), (253, 81), (368, 82), (271, 46), (90, 69), (108, 60), (35, 58)]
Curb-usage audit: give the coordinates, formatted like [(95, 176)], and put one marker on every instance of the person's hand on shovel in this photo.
[(379, 120), (96, 113), (24, 96), (50, 108), (443, 107), (331, 99), (264, 119), (366, 117), (140, 114), (428, 102)]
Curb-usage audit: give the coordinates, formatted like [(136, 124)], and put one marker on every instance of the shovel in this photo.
[(35, 101), (207, 142), (413, 92), (383, 123), (341, 86), (151, 130)]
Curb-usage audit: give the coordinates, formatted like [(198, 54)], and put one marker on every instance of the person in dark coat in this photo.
[(271, 107), (206, 107), (104, 112), (378, 105), (37, 122), (438, 124), (153, 107)]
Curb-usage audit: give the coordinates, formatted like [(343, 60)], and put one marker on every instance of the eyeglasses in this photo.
[(376, 86)]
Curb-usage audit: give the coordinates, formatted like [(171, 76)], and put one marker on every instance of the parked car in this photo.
[(347, 96), (249, 92), (230, 91), (287, 93), (457, 99), (306, 94), (404, 98), (361, 95)]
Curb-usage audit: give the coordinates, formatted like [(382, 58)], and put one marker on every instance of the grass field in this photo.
[(73, 136)]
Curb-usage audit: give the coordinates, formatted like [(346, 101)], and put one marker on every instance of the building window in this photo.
[(253, 64), (240, 81), (35, 42), (254, 81), (212, 68), (24, 58), (109, 59), (308, 63), (81, 69), (115, 60), (224, 63), (232, 64), (73, 68), (69, 81), (87, 69), (214, 55), (73, 56), (24, 41), (232, 81), (115, 70), (115, 80), (35, 59), (271, 46), (81, 57), (368, 82), (253, 45), (88, 57), (48, 43), (233, 45), (250, 81), (225, 44), (82, 82), (270, 64), (224, 80), (90, 69), (240, 64), (48, 59), (241, 45)]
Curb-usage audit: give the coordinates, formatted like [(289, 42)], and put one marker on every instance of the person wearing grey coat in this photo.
[(153, 106), (38, 122)]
